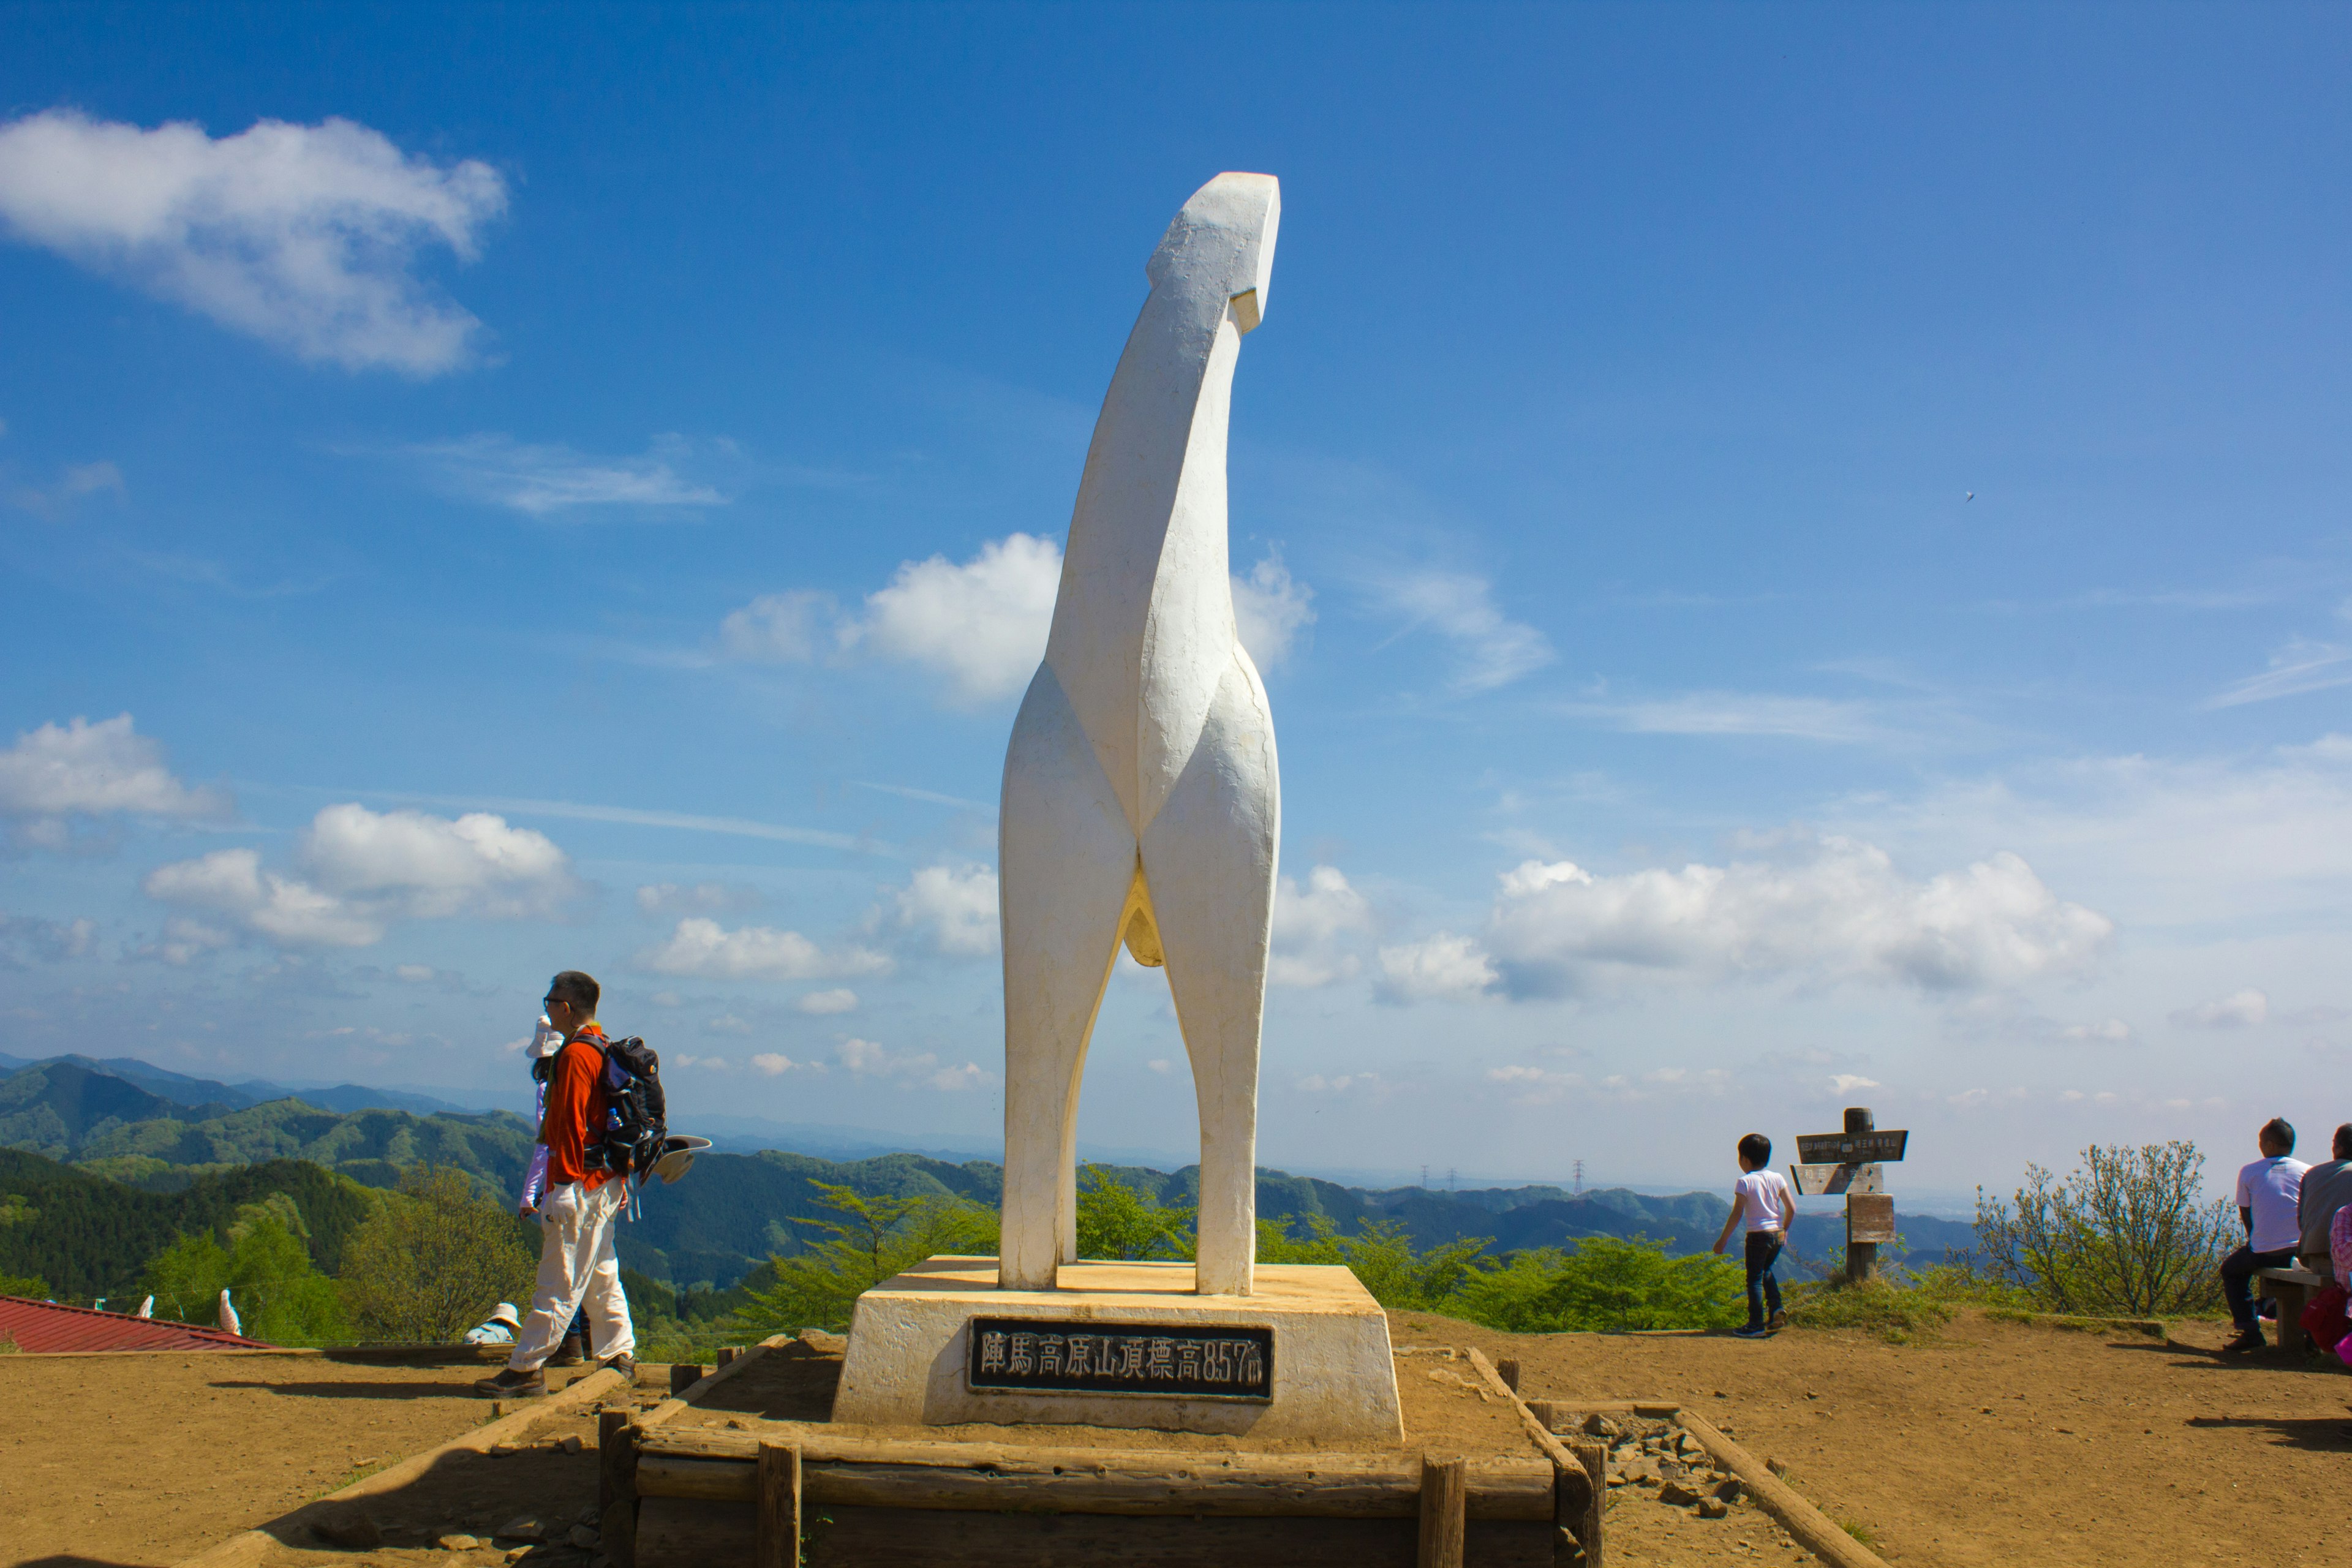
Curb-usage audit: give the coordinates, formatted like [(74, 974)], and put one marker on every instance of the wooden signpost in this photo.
[(1848, 1163)]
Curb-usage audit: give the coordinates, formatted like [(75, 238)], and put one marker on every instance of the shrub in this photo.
[(1122, 1223), (2129, 1234), (1604, 1283), (24, 1285), (875, 1238), (434, 1258), (267, 1270)]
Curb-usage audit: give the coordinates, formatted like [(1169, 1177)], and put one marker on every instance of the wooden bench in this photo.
[(2291, 1288)]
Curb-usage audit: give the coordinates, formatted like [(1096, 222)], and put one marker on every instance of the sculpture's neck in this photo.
[(1152, 500)]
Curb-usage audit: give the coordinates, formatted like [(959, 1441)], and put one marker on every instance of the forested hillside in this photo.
[(85, 1236)]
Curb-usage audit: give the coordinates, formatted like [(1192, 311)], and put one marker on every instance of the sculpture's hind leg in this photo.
[(1066, 862), (1209, 861)]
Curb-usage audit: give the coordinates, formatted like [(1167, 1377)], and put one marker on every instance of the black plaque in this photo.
[(1032, 1355), (1850, 1147)]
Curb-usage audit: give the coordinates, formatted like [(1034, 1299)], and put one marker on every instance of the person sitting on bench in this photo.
[(2327, 1188), (2268, 1190)]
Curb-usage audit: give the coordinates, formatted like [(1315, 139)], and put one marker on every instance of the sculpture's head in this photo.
[(1223, 240)]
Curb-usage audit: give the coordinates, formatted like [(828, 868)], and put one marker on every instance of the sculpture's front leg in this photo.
[(1066, 861)]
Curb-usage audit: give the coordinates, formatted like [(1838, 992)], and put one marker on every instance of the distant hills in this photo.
[(165, 1134)]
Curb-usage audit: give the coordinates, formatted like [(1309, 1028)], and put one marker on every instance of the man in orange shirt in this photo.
[(577, 1264)]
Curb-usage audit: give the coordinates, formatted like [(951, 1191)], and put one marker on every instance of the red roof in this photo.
[(44, 1327)]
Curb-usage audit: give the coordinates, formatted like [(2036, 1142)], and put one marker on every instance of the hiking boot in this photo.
[(568, 1352), (510, 1383), (627, 1365), (2247, 1340), (1780, 1321)]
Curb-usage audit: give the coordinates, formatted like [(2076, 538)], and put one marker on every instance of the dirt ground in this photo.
[(147, 1459), (1991, 1442)]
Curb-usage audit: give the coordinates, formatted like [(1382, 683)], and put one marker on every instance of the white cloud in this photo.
[(231, 882), (50, 942), (78, 481), (1310, 927), (775, 1063), (185, 940), (1445, 967), (982, 625), (302, 235), (955, 905), (1316, 1083), (423, 866), (1847, 1082), (706, 949), (824, 1004), (781, 628), (545, 480), (708, 1064), (1739, 713), (1826, 909), (2301, 665), (363, 869), (2239, 1010), (1490, 649), (727, 1023), (1534, 1085), (663, 899), (867, 1059), (57, 772), (2109, 1031), (1270, 609), (1161, 1065), (414, 974)]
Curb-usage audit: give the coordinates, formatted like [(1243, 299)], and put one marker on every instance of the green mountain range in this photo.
[(131, 1165)]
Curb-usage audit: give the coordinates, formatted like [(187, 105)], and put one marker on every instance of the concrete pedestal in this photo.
[(1331, 1377)]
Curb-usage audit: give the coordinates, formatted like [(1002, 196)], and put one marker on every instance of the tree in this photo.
[(1382, 1255), (2129, 1234), (434, 1259), (1608, 1283), (266, 1269), (875, 1238), (1123, 1222), (24, 1285)]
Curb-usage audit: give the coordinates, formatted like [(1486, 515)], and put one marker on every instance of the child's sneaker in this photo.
[(1752, 1331), (1780, 1321)]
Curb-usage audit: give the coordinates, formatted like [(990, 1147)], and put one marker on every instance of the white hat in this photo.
[(506, 1314), (547, 1039)]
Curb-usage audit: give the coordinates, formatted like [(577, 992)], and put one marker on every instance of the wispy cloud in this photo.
[(2301, 665), (578, 811), (77, 483), (543, 481), (1826, 719), (302, 235), (1490, 648)]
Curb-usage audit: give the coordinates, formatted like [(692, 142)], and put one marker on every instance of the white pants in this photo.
[(577, 1269)]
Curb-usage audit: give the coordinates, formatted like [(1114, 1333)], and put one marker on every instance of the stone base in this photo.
[(1333, 1378)]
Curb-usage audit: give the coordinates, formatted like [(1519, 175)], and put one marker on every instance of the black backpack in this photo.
[(637, 1118)]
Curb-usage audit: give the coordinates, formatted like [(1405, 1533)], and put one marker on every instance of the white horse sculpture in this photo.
[(1142, 801)]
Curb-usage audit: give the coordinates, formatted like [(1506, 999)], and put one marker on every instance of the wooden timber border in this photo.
[(1814, 1530), (700, 1495)]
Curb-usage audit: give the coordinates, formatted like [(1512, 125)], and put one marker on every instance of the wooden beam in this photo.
[(1580, 1507), (1507, 1369), (1445, 1510), (682, 1397), (780, 1506), (1165, 1485), (684, 1375), (613, 1449), (1811, 1527)]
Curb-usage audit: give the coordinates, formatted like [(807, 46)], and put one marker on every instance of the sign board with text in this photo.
[(1850, 1147), (1181, 1360), (1829, 1180)]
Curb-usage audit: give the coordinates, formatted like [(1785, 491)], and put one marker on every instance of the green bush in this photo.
[(1121, 1223), (434, 1259), (1604, 1283), (24, 1285), (875, 1238), (266, 1268), (2129, 1234)]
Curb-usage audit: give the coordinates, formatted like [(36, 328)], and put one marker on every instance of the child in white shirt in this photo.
[(1763, 1198)]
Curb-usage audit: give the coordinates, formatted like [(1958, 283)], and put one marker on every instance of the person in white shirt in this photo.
[(2267, 1194), (1763, 1198)]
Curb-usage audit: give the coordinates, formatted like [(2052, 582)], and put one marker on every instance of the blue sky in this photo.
[(1800, 554)]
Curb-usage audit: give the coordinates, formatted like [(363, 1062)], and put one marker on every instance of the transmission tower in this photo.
[(1580, 1178)]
